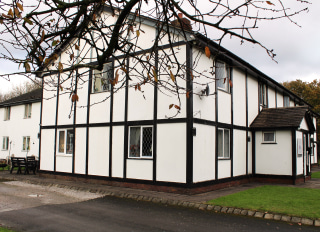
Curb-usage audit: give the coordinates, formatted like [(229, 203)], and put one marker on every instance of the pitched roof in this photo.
[(33, 96), (282, 118)]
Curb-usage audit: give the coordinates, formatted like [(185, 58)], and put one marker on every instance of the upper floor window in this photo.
[(286, 101), (262, 95), (269, 137), (224, 143), (140, 142), (101, 79), (7, 113), (27, 110), (65, 143), (5, 143), (222, 76), (26, 143)]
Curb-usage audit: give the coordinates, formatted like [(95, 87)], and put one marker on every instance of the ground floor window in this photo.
[(26, 143), (65, 141), (224, 143), (269, 137), (140, 142), (5, 143)]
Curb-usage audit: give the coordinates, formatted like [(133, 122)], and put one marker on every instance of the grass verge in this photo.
[(5, 230), (315, 175), (300, 202)]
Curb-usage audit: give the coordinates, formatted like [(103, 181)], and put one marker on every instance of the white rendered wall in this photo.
[(291, 103), (82, 103), (165, 98), (239, 153), (299, 135), (119, 96), (253, 100), (271, 98), (47, 150), (100, 107), (18, 127), (239, 98), (65, 103), (279, 100), (64, 163), (224, 169), (203, 66), (117, 151), (49, 104), (139, 169), (204, 153), (303, 124), (171, 160), (224, 107), (274, 159), (80, 150), (98, 161)]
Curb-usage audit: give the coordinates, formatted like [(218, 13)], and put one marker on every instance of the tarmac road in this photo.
[(27, 207)]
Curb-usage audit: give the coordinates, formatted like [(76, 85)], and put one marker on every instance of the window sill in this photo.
[(64, 155), (139, 158), (105, 91), (270, 143), (224, 158)]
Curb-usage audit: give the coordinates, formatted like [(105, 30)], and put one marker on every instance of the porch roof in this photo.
[(282, 118)]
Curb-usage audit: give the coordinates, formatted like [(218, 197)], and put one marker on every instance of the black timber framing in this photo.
[(56, 123), (155, 118), (247, 122), (88, 120), (126, 126), (74, 120), (231, 131), (111, 126), (40, 134), (189, 124)]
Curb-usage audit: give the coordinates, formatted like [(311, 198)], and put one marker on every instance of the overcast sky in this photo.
[(297, 49)]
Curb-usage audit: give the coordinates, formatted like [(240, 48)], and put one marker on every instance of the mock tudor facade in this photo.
[(20, 125), (126, 138)]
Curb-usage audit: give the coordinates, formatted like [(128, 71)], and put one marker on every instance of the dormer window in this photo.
[(222, 72)]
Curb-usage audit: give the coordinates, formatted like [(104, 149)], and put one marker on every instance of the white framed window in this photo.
[(65, 141), (268, 137), (101, 79), (140, 142), (223, 143), (7, 113), (262, 95), (222, 76), (27, 110), (286, 101), (26, 143), (5, 143)]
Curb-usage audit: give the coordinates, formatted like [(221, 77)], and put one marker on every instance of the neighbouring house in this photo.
[(227, 132), (20, 125)]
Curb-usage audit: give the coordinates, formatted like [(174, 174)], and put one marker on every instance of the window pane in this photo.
[(286, 101), (268, 137), (220, 143), (226, 144), (134, 142), (221, 75), (24, 144), (61, 141), (69, 142), (97, 85), (147, 141)]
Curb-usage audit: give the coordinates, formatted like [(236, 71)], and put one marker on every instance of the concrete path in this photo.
[(194, 201)]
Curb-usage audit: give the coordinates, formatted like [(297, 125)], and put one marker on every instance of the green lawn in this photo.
[(5, 230), (315, 175), (300, 202)]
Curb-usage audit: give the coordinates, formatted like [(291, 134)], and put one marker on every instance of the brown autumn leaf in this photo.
[(149, 78), (27, 67), (6, 16), (75, 97), (191, 74), (131, 28), (1, 21), (124, 69), (42, 36), (155, 74), (61, 88), (230, 83), (170, 106), (60, 67), (112, 82), (188, 94), (17, 12), (177, 107), (10, 13), (20, 6), (270, 3), (116, 79), (94, 17), (138, 33), (27, 20), (55, 42), (172, 76), (76, 47), (40, 58), (207, 51), (71, 56)]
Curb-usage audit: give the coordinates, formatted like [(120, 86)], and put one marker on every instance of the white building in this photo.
[(131, 140), (20, 125)]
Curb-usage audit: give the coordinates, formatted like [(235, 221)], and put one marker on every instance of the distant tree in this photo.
[(22, 88), (308, 91)]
